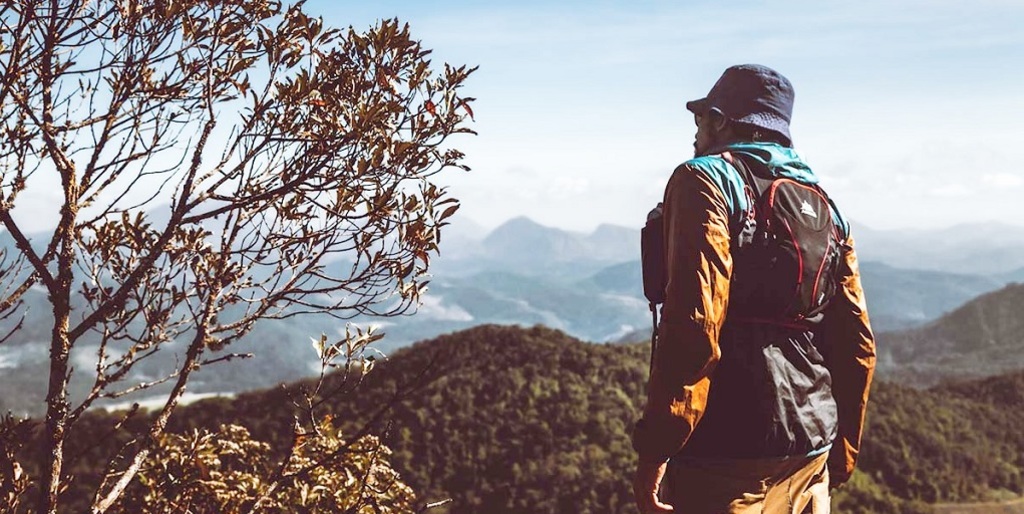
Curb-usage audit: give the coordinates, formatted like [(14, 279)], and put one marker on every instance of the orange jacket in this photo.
[(699, 213)]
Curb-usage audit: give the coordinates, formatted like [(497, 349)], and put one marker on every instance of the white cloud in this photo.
[(1003, 180), (432, 307), (581, 117), (950, 191)]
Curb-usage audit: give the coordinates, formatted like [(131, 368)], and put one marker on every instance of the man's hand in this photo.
[(645, 487), (836, 480)]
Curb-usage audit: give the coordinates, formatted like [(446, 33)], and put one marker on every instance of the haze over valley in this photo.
[(588, 285)]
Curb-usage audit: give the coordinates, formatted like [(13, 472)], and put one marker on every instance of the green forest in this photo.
[(512, 420)]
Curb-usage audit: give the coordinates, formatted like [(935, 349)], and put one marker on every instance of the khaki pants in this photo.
[(797, 485)]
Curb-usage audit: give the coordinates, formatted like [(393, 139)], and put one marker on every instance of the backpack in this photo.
[(652, 256), (652, 263), (785, 255)]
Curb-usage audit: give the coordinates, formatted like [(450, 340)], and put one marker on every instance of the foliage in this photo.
[(863, 495), (935, 447), (509, 420), (216, 164), (304, 464), (226, 472), (499, 419), (530, 420), (13, 479)]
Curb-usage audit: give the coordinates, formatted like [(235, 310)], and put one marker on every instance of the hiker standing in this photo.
[(763, 359)]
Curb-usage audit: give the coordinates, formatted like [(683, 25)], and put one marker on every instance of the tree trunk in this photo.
[(60, 352), (60, 289), (56, 402)]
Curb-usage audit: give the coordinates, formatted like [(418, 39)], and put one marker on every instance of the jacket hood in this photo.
[(778, 160)]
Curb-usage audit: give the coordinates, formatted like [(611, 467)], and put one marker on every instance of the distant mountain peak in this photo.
[(520, 221), (613, 230), (523, 240), (527, 223), (521, 226)]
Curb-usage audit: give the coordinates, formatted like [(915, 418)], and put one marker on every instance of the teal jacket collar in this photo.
[(780, 161)]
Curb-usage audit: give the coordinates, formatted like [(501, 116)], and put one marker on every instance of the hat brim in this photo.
[(701, 106)]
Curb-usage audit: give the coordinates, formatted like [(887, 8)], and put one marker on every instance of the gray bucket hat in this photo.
[(751, 94)]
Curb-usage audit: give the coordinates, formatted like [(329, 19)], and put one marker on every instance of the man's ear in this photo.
[(718, 122)]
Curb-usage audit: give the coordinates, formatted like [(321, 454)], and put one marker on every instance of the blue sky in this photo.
[(911, 112)]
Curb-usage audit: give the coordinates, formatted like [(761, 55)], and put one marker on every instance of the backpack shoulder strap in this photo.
[(757, 184), (842, 226), (754, 187)]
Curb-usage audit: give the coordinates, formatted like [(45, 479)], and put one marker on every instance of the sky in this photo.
[(911, 112)]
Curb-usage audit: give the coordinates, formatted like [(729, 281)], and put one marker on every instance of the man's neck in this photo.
[(719, 148)]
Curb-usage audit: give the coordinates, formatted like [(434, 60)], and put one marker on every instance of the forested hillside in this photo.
[(513, 420), (531, 420), (509, 419)]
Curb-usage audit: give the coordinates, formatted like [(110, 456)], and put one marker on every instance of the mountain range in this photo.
[(990, 250), (982, 338), (507, 273), (523, 273), (971, 249)]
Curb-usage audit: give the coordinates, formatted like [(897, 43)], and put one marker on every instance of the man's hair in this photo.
[(752, 133)]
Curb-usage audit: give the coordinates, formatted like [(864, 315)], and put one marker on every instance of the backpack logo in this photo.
[(806, 208)]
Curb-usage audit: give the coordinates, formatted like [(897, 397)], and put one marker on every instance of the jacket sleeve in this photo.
[(699, 266), (849, 351)]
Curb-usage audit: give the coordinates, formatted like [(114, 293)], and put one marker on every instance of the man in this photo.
[(744, 414)]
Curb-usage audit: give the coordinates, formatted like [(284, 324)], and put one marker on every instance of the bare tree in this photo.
[(219, 162)]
